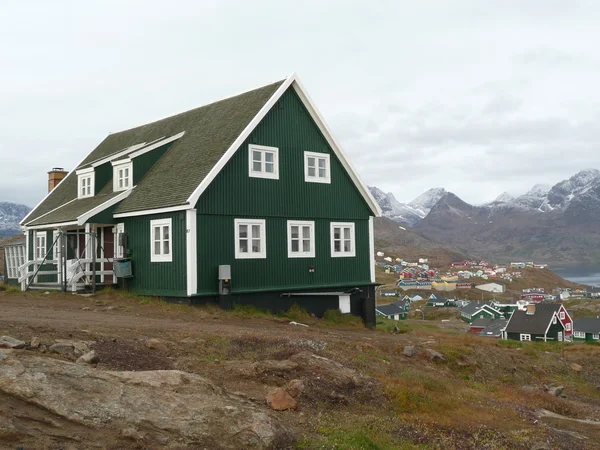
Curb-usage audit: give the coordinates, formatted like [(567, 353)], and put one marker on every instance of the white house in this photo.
[(491, 287), (380, 254)]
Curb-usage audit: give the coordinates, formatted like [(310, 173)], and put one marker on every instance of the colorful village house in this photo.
[(479, 310), (249, 196), (539, 322), (587, 329)]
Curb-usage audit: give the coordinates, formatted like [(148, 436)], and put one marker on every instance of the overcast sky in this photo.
[(476, 96)]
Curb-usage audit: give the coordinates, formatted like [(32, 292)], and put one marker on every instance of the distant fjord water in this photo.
[(583, 274)]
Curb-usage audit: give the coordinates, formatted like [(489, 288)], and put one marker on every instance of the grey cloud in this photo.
[(477, 98)]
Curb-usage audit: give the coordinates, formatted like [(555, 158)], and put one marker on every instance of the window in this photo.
[(250, 239), (40, 245), (568, 326), (301, 239), (579, 334), (122, 175), (525, 337), (119, 237), (263, 162), (562, 315), (596, 336), (160, 240), (316, 168), (554, 320), (342, 239), (85, 183)]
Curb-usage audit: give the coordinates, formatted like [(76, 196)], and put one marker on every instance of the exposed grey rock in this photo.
[(88, 358), (35, 342), (167, 406), (79, 347), (410, 350), (61, 348), (555, 390), (10, 342), (295, 388), (156, 344), (433, 355)]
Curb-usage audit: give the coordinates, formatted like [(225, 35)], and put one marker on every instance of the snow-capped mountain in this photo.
[(424, 202), (408, 213), (534, 198), (10, 216), (393, 209), (549, 224)]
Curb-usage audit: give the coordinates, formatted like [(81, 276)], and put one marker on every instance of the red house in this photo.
[(534, 297), (565, 319)]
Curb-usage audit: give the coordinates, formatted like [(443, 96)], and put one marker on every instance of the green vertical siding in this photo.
[(143, 163), (156, 278), (289, 127), (103, 174), (233, 194), (216, 245)]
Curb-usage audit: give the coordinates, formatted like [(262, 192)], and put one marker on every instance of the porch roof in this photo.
[(71, 211)]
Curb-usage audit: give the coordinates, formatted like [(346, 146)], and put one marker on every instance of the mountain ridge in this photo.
[(10, 216), (559, 223)]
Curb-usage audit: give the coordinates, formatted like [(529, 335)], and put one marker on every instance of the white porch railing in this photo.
[(28, 277)]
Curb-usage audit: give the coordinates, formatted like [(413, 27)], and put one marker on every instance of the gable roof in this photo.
[(473, 307), (389, 310), (494, 328), (212, 134), (587, 325), (482, 322), (537, 323)]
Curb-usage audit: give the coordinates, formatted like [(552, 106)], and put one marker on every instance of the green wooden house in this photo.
[(479, 310), (539, 322), (255, 183), (586, 329)]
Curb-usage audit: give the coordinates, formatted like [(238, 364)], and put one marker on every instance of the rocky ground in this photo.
[(112, 372)]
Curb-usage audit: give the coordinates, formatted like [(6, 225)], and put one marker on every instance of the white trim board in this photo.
[(110, 202), (191, 252), (293, 81), (147, 212)]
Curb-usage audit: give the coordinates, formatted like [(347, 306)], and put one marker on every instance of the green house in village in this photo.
[(586, 329), (479, 310), (249, 196)]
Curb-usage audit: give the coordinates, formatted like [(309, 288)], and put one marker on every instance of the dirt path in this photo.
[(104, 315)]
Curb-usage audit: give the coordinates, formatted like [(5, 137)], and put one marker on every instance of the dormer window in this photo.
[(122, 175), (85, 183)]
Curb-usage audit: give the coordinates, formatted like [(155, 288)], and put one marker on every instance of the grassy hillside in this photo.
[(400, 241)]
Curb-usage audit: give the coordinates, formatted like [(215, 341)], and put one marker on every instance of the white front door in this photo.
[(560, 336), (344, 302)]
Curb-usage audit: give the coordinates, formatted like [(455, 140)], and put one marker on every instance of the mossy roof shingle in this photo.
[(209, 132)]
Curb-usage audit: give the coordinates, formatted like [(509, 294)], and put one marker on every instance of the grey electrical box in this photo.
[(225, 272)]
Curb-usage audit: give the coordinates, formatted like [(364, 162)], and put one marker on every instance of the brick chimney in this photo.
[(530, 310), (55, 176)]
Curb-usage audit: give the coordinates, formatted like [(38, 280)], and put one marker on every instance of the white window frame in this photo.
[(117, 232), (85, 183), (262, 173), (316, 178), (596, 336), (162, 256), (525, 337), (579, 334), (39, 256), (568, 326), (300, 253), (561, 315), (554, 320), (262, 254), (342, 253), (119, 168)]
